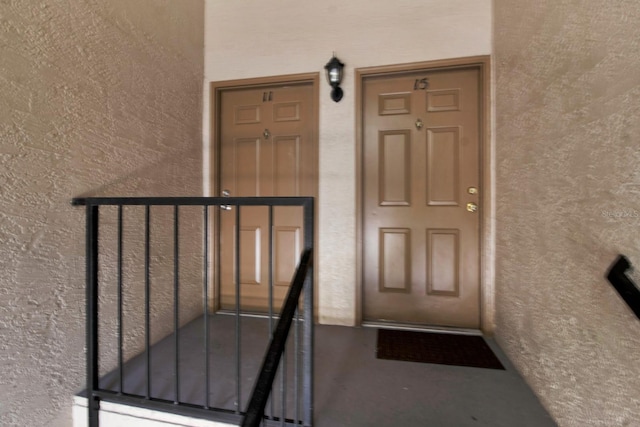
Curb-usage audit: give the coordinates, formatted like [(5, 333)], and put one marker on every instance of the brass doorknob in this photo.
[(472, 207)]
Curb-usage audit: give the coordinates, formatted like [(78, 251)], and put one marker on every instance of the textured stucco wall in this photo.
[(98, 97), (248, 38), (568, 201)]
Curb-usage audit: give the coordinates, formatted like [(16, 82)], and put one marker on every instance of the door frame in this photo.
[(215, 92), (487, 216)]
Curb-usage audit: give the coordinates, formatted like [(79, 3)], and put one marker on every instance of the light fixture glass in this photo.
[(334, 70)]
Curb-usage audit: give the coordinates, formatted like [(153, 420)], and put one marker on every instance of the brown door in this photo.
[(266, 142), (421, 170)]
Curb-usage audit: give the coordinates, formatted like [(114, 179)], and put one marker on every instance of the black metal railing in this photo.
[(263, 386), (295, 397), (626, 288)]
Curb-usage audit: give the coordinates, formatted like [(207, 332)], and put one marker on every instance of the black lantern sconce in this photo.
[(334, 75)]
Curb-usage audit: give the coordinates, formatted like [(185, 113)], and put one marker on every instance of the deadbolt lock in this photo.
[(226, 193), (472, 207), (472, 190)]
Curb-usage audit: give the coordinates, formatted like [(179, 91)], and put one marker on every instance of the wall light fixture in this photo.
[(334, 75)]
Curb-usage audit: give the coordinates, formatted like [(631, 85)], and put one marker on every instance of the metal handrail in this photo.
[(192, 201), (626, 288), (262, 389), (302, 283)]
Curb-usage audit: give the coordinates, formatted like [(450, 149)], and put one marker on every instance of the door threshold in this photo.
[(421, 328), (248, 314)]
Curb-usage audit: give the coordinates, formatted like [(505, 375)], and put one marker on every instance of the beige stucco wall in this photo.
[(568, 186), (98, 97), (247, 39)]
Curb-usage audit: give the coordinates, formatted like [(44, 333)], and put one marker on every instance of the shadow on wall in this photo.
[(177, 174)]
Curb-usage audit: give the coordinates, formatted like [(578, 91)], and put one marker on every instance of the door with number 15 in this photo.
[(421, 187)]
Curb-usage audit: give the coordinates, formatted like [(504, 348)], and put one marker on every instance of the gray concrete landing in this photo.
[(352, 387)]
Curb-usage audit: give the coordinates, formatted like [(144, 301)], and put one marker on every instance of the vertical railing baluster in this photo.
[(176, 301), (120, 328), (308, 318), (296, 367), (271, 249), (93, 402), (147, 297), (237, 280), (206, 306), (283, 386), (302, 315)]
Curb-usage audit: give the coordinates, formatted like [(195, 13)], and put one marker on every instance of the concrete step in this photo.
[(117, 415)]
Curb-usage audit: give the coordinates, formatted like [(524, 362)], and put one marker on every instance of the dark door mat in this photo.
[(443, 349)]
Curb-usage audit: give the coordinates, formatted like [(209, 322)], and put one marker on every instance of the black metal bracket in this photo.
[(627, 289)]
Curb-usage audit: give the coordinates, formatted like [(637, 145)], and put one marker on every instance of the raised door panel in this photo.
[(395, 260), (286, 253), (250, 255), (247, 114), (246, 161), (286, 168), (443, 261), (287, 111), (394, 171), (394, 103), (443, 166)]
